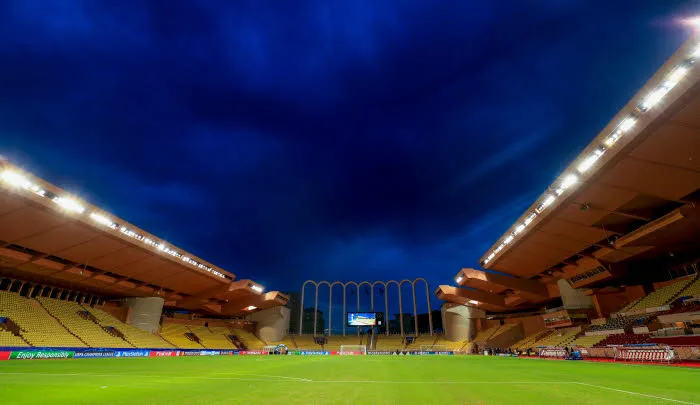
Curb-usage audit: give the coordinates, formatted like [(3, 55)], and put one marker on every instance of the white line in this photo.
[(277, 376), (165, 376), (288, 379), (438, 382), (637, 393)]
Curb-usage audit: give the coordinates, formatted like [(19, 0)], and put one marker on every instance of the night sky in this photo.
[(318, 139)]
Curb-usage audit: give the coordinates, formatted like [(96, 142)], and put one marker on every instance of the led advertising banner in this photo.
[(96, 354), (365, 318), (41, 354), (132, 353)]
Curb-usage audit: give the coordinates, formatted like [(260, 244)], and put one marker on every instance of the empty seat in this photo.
[(37, 326), (90, 332), (138, 338)]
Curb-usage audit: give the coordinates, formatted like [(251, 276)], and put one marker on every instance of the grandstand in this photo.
[(608, 252), (662, 296), (135, 336), (89, 331), (36, 326)]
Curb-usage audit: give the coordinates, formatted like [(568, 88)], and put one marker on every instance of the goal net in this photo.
[(433, 348), (356, 350)]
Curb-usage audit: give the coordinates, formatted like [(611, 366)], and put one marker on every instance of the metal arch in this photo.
[(427, 297), (345, 286), (398, 287), (320, 283), (373, 284), (301, 304), (365, 282), (415, 307), (330, 306)]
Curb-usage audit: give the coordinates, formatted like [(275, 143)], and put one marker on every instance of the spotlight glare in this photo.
[(69, 204)]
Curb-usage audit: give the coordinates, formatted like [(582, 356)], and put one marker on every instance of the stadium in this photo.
[(591, 297)]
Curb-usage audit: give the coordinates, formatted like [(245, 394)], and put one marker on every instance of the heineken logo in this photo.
[(41, 354)]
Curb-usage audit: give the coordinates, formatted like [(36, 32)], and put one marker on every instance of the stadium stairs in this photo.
[(529, 341), (587, 341), (180, 336), (559, 338), (250, 340), (440, 343), (213, 337), (72, 316), (136, 337), (662, 296), (35, 325)]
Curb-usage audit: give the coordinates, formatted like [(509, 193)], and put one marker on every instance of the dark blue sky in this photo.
[(320, 139)]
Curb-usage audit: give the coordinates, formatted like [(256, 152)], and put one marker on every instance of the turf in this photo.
[(342, 380)]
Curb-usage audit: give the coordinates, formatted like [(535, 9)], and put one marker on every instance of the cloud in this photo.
[(318, 139)]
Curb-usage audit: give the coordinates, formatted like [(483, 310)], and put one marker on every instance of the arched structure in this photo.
[(371, 286)]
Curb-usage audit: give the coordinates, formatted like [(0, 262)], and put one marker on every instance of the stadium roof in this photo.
[(630, 194), (50, 236)]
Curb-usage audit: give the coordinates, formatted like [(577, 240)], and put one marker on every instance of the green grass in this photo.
[(259, 380)]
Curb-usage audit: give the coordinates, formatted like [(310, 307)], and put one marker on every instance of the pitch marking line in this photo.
[(636, 393), (284, 379), (165, 376)]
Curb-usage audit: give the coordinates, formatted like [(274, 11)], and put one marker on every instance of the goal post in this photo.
[(356, 350)]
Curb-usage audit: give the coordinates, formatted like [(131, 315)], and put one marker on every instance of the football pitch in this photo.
[(259, 380)]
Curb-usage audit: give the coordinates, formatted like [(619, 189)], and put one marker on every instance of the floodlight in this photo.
[(69, 204)]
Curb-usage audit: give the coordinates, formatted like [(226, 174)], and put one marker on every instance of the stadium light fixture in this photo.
[(250, 307), (69, 204), (15, 179), (257, 288), (590, 160), (627, 124), (101, 219), (653, 99), (459, 279)]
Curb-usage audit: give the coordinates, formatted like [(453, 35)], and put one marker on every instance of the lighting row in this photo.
[(569, 180), (69, 204)]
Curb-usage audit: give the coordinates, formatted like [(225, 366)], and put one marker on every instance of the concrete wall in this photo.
[(460, 321), (530, 324), (271, 324), (573, 298), (145, 312), (608, 303)]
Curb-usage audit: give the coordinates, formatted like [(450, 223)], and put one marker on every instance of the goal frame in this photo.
[(349, 350)]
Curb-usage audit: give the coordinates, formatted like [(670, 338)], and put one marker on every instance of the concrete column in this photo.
[(146, 312), (460, 321), (272, 324), (573, 298)]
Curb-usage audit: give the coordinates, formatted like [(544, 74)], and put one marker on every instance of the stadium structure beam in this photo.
[(482, 280), (473, 298), (666, 88)]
